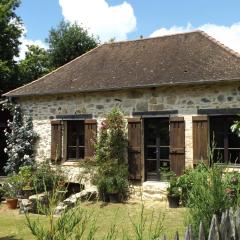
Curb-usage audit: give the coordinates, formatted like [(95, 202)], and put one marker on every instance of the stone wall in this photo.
[(185, 99)]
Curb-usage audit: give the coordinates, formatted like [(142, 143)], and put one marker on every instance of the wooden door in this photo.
[(177, 145), (134, 148)]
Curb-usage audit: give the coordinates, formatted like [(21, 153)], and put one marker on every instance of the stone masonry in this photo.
[(185, 99)]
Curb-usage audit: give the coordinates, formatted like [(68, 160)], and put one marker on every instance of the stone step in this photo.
[(150, 190)]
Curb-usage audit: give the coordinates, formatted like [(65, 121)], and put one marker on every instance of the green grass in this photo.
[(13, 225)]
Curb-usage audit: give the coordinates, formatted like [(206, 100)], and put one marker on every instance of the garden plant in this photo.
[(111, 173)]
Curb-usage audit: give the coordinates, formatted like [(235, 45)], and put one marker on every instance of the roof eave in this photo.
[(169, 84)]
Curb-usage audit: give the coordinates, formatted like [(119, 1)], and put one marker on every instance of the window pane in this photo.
[(164, 153), (233, 140), (72, 135), (71, 153), (218, 139), (233, 156), (80, 152), (81, 140), (165, 165), (217, 124), (218, 156), (151, 153), (164, 133), (151, 134), (151, 166)]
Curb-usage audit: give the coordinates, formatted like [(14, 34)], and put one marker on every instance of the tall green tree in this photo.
[(35, 64), (67, 42), (10, 32)]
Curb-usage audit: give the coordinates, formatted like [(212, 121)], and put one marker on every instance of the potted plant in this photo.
[(173, 193), (112, 189), (165, 174), (26, 179), (116, 188), (12, 188), (185, 183)]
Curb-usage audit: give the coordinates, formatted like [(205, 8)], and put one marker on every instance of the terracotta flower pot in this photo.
[(12, 203)]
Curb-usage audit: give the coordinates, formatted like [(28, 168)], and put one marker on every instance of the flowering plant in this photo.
[(20, 140), (112, 174)]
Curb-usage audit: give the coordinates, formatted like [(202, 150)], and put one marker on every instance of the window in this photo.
[(75, 140), (227, 143)]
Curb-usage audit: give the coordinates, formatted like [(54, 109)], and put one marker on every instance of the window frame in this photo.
[(81, 131), (225, 132)]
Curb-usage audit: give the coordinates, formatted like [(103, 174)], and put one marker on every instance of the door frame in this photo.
[(143, 156)]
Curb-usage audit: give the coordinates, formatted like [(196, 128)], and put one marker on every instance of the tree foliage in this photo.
[(35, 64), (10, 32), (67, 42)]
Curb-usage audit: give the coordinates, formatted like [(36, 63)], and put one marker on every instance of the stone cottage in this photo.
[(177, 92)]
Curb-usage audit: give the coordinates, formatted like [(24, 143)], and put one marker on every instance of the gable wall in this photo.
[(184, 99)]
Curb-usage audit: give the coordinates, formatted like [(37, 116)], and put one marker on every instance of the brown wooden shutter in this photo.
[(200, 139), (177, 145), (90, 137), (134, 148), (56, 140)]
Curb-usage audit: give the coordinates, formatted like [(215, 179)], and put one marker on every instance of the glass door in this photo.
[(156, 147)]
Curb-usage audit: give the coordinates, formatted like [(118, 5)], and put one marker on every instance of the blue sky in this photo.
[(131, 18)]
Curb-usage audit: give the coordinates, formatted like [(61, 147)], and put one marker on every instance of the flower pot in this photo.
[(173, 201), (12, 203), (113, 197)]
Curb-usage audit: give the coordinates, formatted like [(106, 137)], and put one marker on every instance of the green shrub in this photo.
[(71, 224), (207, 196), (25, 176), (112, 173), (12, 187), (185, 183), (45, 177), (232, 183), (173, 189)]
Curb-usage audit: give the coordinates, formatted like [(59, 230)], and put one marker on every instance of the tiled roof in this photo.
[(187, 58)]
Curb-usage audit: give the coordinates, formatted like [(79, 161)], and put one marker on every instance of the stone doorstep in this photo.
[(151, 190)]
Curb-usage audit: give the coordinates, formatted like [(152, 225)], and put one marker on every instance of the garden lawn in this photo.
[(13, 226)]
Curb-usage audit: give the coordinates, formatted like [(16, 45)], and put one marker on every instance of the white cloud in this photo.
[(228, 35), (25, 41), (100, 18)]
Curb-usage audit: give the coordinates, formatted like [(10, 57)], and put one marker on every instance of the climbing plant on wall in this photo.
[(21, 140)]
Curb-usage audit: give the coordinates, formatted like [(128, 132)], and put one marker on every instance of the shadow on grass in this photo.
[(10, 238), (104, 204)]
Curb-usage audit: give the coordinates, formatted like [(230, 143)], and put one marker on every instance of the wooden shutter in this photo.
[(200, 139), (134, 148), (56, 140), (177, 145), (90, 137)]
